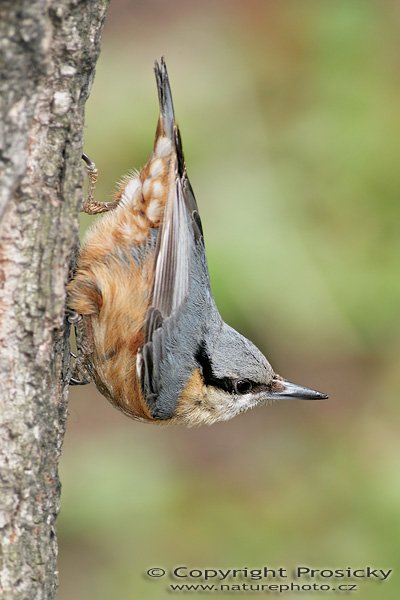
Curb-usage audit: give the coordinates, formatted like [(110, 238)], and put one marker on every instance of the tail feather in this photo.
[(171, 130), (165, 98)]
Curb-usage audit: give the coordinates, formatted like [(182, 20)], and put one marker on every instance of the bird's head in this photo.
[(231, 376)]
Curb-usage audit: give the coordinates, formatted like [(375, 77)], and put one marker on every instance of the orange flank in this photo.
[(112, 288)]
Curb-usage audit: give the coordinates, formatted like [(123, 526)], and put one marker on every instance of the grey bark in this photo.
[(48, 49)]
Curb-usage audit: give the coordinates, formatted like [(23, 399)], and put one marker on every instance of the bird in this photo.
[(154, 342)]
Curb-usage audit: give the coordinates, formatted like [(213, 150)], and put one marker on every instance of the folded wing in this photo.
[(180, 237)]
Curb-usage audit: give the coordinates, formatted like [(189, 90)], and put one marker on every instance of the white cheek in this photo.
[(242, 403), (226, 406)]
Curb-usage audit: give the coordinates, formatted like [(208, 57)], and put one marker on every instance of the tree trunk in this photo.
[(48, 49)]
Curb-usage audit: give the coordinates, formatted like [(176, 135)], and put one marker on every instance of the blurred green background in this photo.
[(290, 118)]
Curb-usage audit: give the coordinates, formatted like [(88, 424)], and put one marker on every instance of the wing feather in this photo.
[(179, 237)]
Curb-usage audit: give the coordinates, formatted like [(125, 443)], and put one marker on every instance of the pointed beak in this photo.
[(285, 390)]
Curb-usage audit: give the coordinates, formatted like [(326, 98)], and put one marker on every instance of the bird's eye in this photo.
[(243, 386)]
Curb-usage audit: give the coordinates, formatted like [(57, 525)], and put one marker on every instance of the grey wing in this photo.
[(179, 239), (179, 244)]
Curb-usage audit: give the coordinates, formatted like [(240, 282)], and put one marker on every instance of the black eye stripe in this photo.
[(232, 386), (224, 383)]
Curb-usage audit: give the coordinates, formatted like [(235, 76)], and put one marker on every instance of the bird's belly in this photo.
[(112, 291), (117, 329)]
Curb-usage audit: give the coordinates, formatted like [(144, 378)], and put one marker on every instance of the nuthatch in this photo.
[(155, 343)]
